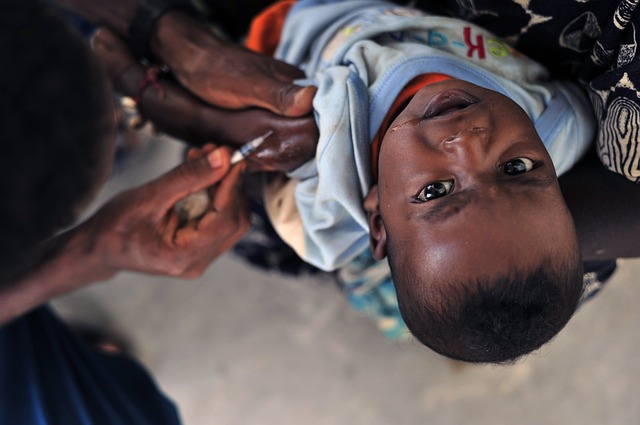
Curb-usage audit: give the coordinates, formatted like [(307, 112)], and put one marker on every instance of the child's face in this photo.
[(466, 186)]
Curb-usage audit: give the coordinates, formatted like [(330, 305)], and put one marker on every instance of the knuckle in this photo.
[(186, 170), (192, 274), (177, 269)]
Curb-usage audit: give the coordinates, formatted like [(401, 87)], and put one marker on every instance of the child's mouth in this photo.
[(448, 102)]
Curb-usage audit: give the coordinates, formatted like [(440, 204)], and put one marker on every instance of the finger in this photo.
[(229, 195), (172, 224), (214, 252), (209, 147), (112, 51), (186, 234), (227, 235), (189, 177), (228, 204), (299, 103), (285, 71), (194, 153), (288, 99)]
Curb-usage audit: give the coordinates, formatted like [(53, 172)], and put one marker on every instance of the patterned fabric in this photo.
[(596, 275), (595, 42), (262, 247), (369, 289)]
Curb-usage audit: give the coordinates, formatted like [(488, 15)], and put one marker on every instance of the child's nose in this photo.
[(471, 140)]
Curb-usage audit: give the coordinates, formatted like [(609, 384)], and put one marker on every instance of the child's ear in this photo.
[(377, 231)]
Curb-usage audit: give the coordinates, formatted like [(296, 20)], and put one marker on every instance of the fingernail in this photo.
[(302, 100), (215, 159), (299, 95)]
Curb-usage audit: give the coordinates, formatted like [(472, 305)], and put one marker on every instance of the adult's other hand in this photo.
[(177, 112), (226, 74)]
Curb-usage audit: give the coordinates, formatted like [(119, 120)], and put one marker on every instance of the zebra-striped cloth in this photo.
[(595, 42)]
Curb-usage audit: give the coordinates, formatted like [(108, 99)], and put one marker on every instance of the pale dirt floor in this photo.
[(241, 347)]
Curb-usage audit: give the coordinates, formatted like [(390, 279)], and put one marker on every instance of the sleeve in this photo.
[(612, 76), (616, 102)]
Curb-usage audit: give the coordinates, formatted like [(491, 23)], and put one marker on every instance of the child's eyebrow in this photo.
[(446, 207), (540, 181), (453, 204)]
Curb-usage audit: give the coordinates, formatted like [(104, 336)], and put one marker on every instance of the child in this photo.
[(453, 178)]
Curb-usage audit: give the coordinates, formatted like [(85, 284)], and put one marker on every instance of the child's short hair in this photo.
[(494, 321), (52, 127)]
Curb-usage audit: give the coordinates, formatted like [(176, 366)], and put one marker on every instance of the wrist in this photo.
[(79, 256), (178, 40), (69, 264), (146, 19)]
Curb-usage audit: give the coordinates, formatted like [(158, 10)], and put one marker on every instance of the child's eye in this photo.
[(435, 190), (517, 166)]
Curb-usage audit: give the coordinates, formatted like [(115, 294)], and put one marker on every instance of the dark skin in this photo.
[(179, 113), (615, 205), (139, 230), (204, 64), (500, 207), (604, 206)]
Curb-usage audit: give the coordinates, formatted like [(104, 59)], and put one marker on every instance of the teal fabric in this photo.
[(369, 289)]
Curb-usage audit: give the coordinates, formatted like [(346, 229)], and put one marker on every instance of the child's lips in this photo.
[(448, 102)]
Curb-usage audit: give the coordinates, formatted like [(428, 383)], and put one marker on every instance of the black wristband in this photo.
[(145, 20)]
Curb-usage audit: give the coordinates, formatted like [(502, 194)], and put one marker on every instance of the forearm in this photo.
[(175, 37), (605, 209), (72, 263)]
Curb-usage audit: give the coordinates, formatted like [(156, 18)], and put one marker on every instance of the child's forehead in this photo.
[(486, 245)]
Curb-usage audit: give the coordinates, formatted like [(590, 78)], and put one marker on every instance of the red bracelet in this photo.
[(151, 79)]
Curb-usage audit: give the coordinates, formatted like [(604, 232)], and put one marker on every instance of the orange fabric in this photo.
[(265, 30), (399, 104)]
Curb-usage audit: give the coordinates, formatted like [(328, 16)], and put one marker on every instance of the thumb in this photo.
[(291, 100), (192, 176)]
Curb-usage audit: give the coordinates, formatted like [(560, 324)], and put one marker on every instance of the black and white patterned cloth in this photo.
[(592, 41)]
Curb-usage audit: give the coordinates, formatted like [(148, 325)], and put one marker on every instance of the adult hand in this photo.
[(226, 74), (178, 113), (218, 72), (140, 230)]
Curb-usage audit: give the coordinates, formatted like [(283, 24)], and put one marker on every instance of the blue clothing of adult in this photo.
[(49, 377)]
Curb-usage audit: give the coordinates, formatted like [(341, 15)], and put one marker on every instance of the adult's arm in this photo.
[(605, 207), (219, 72), (177, 112), (140, 230)]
